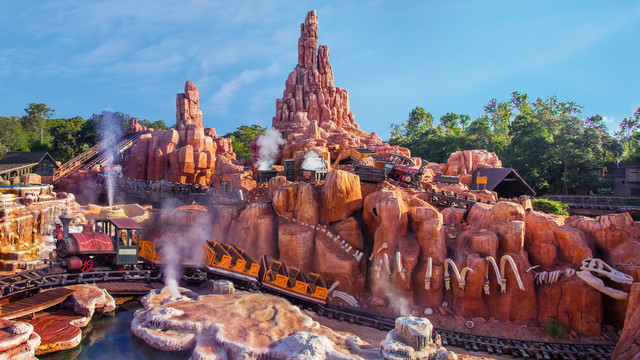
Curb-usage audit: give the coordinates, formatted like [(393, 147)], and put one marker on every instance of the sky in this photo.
[(83, 57)]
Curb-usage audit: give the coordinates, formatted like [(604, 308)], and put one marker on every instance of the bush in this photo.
[(555, 329), (550, 207), (605, 191)]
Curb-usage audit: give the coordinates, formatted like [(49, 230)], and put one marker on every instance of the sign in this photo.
[(481, 180), (306, 174), (127, 252), (227, 178)]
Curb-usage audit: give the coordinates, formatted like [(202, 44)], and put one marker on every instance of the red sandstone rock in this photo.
[(185, 154), (313, 112), (468, 161), (17, 340), (57, 331), (573, 303), (340, 196), (628, 346), (255, 231)]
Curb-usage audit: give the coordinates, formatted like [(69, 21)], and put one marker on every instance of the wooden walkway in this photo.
[(127, 288), (31, 305)]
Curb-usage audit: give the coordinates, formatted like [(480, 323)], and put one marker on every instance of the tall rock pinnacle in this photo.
[(313, 112)]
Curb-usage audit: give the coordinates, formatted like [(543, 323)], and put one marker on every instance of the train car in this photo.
[(230, 261), (292, 282), (108, 242)]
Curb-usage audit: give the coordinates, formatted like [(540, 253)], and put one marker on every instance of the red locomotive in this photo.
[(108, 242)]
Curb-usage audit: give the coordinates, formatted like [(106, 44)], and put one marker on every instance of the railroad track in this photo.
[(489, 344), (30, 282)]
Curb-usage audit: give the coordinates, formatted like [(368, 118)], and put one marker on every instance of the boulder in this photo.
[(17, 340), (340, 196), (240, 325), (255, 231)]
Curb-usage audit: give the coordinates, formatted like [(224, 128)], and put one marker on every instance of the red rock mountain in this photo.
[(315, 112), (186, 153)]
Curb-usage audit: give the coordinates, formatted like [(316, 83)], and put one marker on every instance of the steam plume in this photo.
[(312, 161), (269, 144)]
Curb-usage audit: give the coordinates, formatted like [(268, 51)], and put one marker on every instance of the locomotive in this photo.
[(111, 242), (115, 243)]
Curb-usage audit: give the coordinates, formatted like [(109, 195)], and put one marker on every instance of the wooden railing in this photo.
[(78, 161), (597, 201)]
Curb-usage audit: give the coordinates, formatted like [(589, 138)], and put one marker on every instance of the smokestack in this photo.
[(66, 219)]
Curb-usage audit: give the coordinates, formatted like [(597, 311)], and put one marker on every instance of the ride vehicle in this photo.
[(110, 242)]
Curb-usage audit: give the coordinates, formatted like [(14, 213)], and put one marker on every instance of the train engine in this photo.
[(111, 242), (402, 169)]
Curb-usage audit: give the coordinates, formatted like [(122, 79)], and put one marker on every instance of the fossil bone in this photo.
[(569, 272), (428, 274), (502, 281), (460, 276), (382, 247), (548, 277), (399, 267), (387, 266), (507, 258), (590, 266), (333, 287), (602, 268), (599, 285), (377, 268), (349, 299)]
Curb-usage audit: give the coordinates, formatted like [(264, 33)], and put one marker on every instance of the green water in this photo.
[(109, 337)]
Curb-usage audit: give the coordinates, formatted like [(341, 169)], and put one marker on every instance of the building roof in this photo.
[(24, 157), (125, 223), (505, 178), (20, 159)]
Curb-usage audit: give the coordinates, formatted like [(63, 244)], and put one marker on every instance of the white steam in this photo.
[(184, 246), (112, 173), (312, 161), (269, 145), (109, 130)]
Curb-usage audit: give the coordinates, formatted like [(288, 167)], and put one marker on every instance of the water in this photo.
[(109, 337)]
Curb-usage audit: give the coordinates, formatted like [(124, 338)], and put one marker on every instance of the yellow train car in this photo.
[(149, 252), (275, 276), (231, 261)]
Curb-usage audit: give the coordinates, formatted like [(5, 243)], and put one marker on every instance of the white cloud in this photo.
[(608, 119), (223, 97)]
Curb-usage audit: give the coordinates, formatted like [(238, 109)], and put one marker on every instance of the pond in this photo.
[(109, 337)]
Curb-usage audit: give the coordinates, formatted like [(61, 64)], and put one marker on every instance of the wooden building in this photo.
[(19, 163), (504, 181)]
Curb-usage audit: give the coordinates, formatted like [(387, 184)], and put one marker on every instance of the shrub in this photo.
[(550, 206), (555, 329), (605, 191)]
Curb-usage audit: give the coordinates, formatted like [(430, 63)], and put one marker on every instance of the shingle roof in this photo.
[(18, 159), (496, 175), (23, 157)]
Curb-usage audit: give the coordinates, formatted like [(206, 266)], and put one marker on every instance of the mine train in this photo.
[(115, 244), (395, 167)]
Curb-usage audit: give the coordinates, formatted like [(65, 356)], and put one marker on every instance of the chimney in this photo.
[(66, 219)]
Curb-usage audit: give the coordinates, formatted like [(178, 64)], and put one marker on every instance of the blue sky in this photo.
[(83, 57)]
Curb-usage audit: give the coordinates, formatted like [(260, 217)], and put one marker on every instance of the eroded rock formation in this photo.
[(313, 111), (186, 153)]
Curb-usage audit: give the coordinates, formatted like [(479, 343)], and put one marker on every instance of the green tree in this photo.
[(12, 136), (35, 119), (241, 139), (629, 136), (66, 138), (158, 125)]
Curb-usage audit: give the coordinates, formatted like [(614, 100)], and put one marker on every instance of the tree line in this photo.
[(37, 130), (550, 143)]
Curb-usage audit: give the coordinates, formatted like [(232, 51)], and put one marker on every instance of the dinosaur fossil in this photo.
[(591, 267), (460, 275)]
